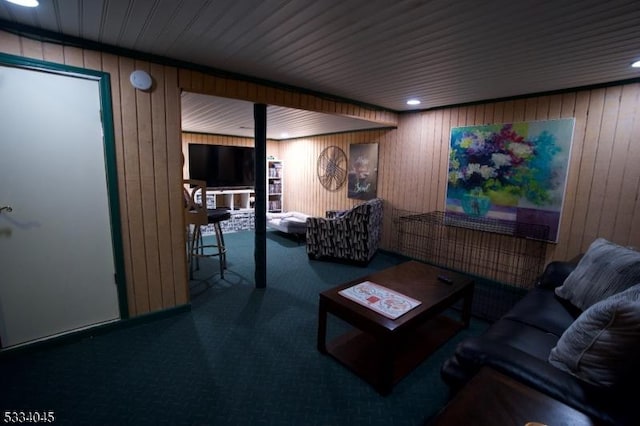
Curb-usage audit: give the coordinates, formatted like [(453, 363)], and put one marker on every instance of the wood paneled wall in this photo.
[(603, 190), (149, 157), (302, 189), (603, 187)]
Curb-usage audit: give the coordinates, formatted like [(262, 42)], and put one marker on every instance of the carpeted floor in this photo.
[(241, 357)]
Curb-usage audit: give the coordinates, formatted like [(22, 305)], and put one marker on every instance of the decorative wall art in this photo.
[(514, 173), (363, 171), (331, 168)]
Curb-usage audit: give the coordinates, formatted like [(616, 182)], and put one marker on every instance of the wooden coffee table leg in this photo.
[(387, 360), (322, 327)]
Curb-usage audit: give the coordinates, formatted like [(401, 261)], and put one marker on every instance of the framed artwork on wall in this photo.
[(363, 171), (514, 173)]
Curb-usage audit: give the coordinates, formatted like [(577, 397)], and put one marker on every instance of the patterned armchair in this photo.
[(353, 236)]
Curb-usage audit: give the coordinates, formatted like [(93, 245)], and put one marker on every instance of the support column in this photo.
[(260, 142)]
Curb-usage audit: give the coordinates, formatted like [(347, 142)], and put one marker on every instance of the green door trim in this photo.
[(104, 84)]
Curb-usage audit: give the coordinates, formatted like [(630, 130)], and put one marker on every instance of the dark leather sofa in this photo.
[(519, 344)]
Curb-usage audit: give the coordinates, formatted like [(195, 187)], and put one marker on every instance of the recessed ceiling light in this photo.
[(25, 3), (413, 102), (636, 64), (284, 135)]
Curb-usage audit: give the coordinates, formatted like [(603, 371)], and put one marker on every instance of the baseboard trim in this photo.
[(97, 330)]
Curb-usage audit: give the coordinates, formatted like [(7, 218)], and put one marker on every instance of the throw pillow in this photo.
[(604, 270), (602, 345)]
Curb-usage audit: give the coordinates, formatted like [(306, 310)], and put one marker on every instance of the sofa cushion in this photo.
[(542, 309), (603, 344), (556, 273), (530, 340), (604, 270)]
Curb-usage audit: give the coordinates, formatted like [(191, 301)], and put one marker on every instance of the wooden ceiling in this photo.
[(379, 52), (215, 115)]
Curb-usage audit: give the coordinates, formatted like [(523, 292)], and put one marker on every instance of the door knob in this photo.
[(8, 209)]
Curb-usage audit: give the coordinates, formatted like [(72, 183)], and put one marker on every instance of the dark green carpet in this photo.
[(241, 357)]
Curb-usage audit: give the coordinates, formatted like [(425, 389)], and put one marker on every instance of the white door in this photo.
[(56, 252)]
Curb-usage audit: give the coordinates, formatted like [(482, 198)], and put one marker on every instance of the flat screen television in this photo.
[(222, 166)]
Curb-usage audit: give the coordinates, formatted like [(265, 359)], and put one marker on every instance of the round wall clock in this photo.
[(332, 168)]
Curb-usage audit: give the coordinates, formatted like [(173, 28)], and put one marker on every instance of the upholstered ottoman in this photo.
[(289, 222)]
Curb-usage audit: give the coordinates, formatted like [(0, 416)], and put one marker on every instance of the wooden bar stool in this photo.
[(196, 216)]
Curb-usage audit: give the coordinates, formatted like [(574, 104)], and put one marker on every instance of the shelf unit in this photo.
[(239, 202), (230, 199), (274, 186)]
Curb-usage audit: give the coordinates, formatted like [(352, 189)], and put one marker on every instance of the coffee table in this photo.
[(382, 350), (492, 398)]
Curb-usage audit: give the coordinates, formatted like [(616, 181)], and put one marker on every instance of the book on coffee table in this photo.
[(380, 299)]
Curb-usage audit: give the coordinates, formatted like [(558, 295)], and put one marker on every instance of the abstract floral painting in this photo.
[(514, 172)]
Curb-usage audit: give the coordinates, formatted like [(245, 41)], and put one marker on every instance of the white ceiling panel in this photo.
[(215, 115), (379, 52)]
